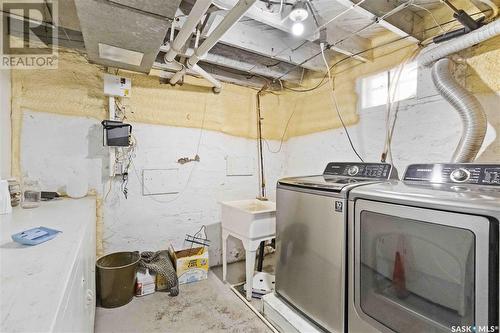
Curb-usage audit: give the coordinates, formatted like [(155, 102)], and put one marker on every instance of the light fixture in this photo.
[(297, 28), (299, 11)]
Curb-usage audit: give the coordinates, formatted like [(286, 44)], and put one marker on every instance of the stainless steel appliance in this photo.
[(311, 238), (423, 252)]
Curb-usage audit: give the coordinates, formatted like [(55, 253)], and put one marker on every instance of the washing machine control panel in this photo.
[(464, 173), (362, 170)]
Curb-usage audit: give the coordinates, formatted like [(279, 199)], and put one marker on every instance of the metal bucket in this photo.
[(116, 274)]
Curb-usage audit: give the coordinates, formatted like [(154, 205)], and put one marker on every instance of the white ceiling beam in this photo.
[(260, 12), (403, 25), (350, 46), (218, 73), (239, 62), (279, 43), (269, 42)]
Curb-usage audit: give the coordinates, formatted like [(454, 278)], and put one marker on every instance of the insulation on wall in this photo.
[(5, 123), (301, 131)]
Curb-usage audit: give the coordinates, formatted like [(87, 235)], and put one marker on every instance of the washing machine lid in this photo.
[(323, 182), (340, 176), (459, 187)]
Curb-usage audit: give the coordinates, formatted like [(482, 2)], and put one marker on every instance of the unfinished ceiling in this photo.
[(262, 43), (135, 35)]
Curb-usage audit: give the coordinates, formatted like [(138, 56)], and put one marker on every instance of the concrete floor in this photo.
[(236, 274), (205, 306)]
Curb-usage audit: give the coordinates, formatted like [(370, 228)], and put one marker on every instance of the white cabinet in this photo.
[(49, 287), (77, 310)]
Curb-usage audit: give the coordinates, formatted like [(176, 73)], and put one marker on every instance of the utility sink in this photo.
[(249, 218)]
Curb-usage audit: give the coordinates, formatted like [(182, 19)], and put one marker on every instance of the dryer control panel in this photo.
[(464, 173), (362, 170)]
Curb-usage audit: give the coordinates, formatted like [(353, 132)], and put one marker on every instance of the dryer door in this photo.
[(424, 270)]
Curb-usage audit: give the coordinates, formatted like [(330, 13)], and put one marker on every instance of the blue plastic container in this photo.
[(35, 236)]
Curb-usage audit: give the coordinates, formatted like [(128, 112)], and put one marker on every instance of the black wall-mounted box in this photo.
[(116, 133)]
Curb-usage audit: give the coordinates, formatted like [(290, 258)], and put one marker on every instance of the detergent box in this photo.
[(190, 264)]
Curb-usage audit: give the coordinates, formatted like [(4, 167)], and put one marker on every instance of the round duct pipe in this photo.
[(468, 107)]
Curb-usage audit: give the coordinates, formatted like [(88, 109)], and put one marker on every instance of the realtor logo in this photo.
[(339, 206), (28, 35)]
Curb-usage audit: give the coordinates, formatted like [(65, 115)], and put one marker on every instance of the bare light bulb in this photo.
[(299, 11), (297, 29)]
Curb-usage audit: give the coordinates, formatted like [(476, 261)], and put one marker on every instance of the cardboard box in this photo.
[(191, 265)]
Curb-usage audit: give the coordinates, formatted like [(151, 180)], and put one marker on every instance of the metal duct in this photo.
[(125, 33), (468, 107), (431, 54)]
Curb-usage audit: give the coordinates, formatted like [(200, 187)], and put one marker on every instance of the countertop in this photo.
[(33, 279)]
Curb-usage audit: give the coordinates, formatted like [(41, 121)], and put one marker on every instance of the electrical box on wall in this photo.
[(240, 166), (117, 86), (116, 133), (161, 181)]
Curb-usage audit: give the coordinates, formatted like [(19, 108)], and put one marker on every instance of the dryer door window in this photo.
[(416, 273)]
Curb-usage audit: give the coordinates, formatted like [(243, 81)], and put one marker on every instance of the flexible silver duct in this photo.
[(468, 107), (433, 53)]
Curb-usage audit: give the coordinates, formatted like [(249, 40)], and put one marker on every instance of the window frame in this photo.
[(404, 101)]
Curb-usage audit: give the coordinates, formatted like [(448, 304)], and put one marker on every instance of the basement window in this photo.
[(399, 84)]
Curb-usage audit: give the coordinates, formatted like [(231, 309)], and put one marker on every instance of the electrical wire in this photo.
[(147, 189), (283, 135), (320, 84), (266, 79), (375, 21), (317, 30), (432, 15), (323, 82), (392, 91), (122, 110), (334, 100), (110, 187), (188, 181), (494, 9), (391, 95)]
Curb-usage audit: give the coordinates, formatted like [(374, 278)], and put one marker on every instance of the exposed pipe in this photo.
[(216, 83), (469, 109), (199, 9), (229, 20), (177, 76)]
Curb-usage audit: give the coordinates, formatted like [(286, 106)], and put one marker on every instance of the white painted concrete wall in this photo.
[(5, 124), (427, 130), (54, 146), (168, 218)]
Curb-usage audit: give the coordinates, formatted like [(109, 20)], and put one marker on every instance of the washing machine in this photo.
[(423, 252), (311, 217)]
